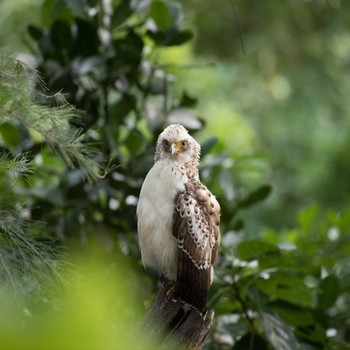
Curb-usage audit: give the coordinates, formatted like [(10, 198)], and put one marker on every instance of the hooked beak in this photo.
[(173, 149)]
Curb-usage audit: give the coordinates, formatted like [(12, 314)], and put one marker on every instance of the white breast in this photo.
[(155, 217)]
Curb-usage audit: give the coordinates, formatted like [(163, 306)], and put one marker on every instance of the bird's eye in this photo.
[(183, 144), (166, 143)]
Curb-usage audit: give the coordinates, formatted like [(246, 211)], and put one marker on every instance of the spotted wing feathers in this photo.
[(196, 228)]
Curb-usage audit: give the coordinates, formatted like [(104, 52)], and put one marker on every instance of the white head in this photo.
[(176, 144)]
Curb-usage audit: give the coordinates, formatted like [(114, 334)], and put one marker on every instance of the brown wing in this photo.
[(196, 228)]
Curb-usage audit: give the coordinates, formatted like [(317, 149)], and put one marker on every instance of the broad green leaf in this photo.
[(287, 288), (279, 334), (160, 13), (255, 249), (256, 196), (329, 291), (294, 316)]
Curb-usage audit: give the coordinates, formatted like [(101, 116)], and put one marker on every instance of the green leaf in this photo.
[(294, 315), (61, 35), (256, 196), (187, 100), (173, 38), (329, 291), (123, 107), (255, 249), (52, 10), (208, 144), (251, 341), (9, 134), (135, 142), (35, 32), (161, 15), (180, 38), (287, 288), (238, 224), (87, 40), (121, 13), (226, 183), (337, 345), (279, 334), (307, 217)]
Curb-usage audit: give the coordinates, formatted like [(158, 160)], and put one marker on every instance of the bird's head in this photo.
[(177, 144)]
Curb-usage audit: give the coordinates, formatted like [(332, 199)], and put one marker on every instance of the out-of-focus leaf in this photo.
[(35, 32), (256, 196), (279, 334), (160, 13), (84, 66), (86, 42), (238, 224), (9, 134), (251, 341), (185, 116), (226, 183), (287, 288), (128, 53), (255, 249), (55, 9), (187, 100), (61, 35), (134, 141), (171, 39), (121, 13), (337, 345), (294, 316), (123, 107), (306, 218), (208, 144), (329, 291)]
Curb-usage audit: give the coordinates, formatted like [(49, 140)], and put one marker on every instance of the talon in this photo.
[(171, 289)]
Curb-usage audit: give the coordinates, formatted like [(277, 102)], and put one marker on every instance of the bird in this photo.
[(178, 219)]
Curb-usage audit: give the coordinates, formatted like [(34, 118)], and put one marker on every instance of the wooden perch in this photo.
[(176, 322)]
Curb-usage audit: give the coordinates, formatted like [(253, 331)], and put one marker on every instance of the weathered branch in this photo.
[(177, 322)]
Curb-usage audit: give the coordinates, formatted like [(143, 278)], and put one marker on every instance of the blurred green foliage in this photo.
[(281, 136)]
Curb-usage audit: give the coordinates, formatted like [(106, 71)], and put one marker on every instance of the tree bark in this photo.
[(177, 323)]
